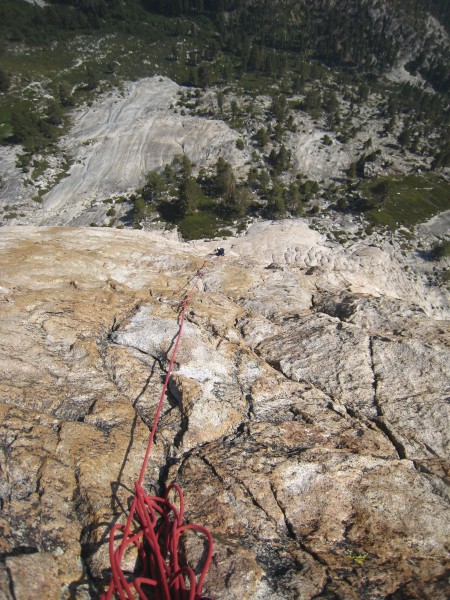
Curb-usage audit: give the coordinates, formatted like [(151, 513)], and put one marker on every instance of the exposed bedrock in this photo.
[(306, 419), (115, 142)]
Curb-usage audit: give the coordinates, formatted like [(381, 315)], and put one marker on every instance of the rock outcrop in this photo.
[(307, 418), (111, 146)]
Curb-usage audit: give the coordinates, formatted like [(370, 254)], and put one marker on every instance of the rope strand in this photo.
[(155, 526)]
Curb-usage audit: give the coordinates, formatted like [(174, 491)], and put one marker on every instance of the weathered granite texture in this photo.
[(307, 420)]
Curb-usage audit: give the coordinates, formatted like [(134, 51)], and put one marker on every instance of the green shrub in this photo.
[(342, 204), (441, 250), (197, 225), (139, 210)]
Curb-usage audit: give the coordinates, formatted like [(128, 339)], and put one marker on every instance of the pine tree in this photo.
[(239, 201), (139, 211), (182, 166), (276, 207), (55, 114), (204, 75), (92, 79), (293, 202), (279, 107), (189, 197), (225, 182), (154, 186), (404, 139), (261, 137)]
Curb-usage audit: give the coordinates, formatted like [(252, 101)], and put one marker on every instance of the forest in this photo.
[(313, 56), (346, 33)]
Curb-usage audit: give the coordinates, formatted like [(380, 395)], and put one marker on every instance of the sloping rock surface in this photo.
[(307, 420), (108, 137), (110, 147)]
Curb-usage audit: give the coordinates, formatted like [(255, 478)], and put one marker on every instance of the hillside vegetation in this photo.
[(264, 68)]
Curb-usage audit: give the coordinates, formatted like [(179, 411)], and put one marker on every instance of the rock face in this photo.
[(307, 420), (111, 134), (103, 146)]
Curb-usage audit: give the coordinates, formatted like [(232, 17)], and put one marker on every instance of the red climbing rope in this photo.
[(155, 527)]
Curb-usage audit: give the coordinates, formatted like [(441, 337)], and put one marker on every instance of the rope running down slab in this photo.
[(155, 525)]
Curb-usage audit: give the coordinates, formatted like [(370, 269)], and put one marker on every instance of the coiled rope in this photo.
[(155, 527)]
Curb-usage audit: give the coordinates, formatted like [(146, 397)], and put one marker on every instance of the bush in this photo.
[(23, 161), (65, 95), (139, 210), (197, 225), (342, 204), (441, 250)]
